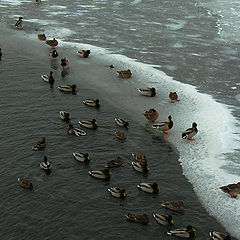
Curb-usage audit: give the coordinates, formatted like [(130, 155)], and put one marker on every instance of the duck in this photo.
[(83, 53), (120, 135), (114, 163), (45, 165), (149, 187), (151, 115), (76, 131), (117, 192), (37, 1), (121, 123), (42, 37), (101, 174), (65, 116), (140, 167), (124, 73), (64, 63), (148, 92), (187, 232), (173, 97), (190, 132), (111, 66), (81, 157), (89, 124), (232, 189), (166, 220), (219, 236), (164, 126), (52, 43), (68, 88), (137, 218), (54, 54), (175, 205), (19, 23), (25, 183), (40, 144), (48, 79), (92, 103), (139, 157)]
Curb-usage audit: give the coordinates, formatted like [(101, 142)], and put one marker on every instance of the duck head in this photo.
[(194, 125), (126, 125), (190, 228)]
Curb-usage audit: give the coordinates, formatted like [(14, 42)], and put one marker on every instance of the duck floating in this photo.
[(64, 63), (219, 236), (68, 88), (25, 183), (151, 115), (140, 167), (65, 116), (190, 132), (164, 126), (89, 124), (45, 165), (187, 232), (83, 53), (120, 135), (52, 43), (19, 23), (81, 157), (54, 54), (173, 97), (149, 187), (40, 144), (92, 103), (121, 123), (117, 192), (114, 163), (232, 189), (175, 205), (124, 73), (148, 92), (166, 220), (42, 37), (48, 79), (139, 157), (137, 218), (76, 131), (101, 174)]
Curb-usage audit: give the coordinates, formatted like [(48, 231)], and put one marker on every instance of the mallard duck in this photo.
[(175, 206), (117, 192), (40, 144), (68, 88), (45, 165), (232, 189), (101, 174), (83, 53), (121, 123), (139, 157), (190, 132), (165, 220), (64, 63), (140, 167), (164, 126), (92, 103), (42, 37), (151, 115), (124, 73), (148, 92), (53, 43), (48, 79), (76, 131), (219, 236), (19, 23), (114, 163), (25, 183), (137, 218), (120, 135), (65, 116), (149, 187), (173, 96), (183, 232), (54, 54), (89, 124), (81, 156)]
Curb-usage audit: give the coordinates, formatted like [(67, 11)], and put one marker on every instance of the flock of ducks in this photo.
[(140, 163)]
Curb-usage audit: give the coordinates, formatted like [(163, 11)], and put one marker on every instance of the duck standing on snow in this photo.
[(219, 236), (53, 43), (166, 220), (121, 123), (89, 124), (83, 53), (148, 92), (173, 97), (151, 115), (232, 189), (19, 23), (101, 174), (117, 192), (149, 187), (124, 73), (92, 103), (164, 126), (183, 232), (190, 132)]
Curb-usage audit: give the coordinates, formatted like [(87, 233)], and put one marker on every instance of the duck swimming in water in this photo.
[(190, 132), (101, 174), (140, 167), (164, 126), (219, 236), (40, 144), (89, 124), (76, 131), (148, 92), (45, 165), (232, 189), (151, 115), (64, 63), (49, 79), (117, 192), (124, 73), (149, 187), (137, 218), (183, 232), (54, 54), (121, 123), (175, 205), (68, 88), (52, 43), (19, 23), (139, 157), (92, 103), (114, 163), (81, 157), (162, 219), (65, 116), (120, 135), (25, 183), (173, 97)]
